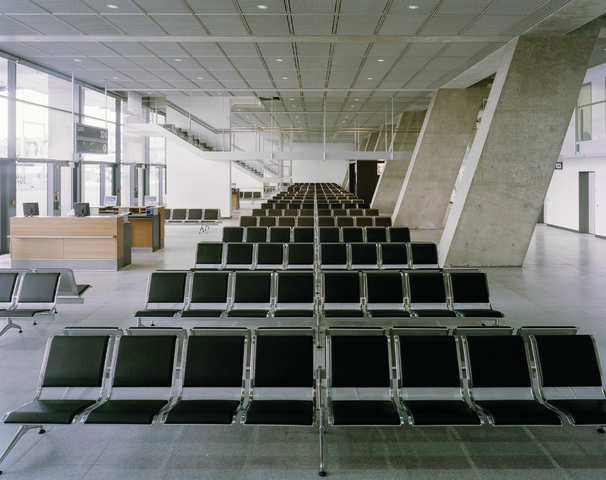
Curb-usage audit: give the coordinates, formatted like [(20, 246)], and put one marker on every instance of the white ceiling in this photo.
[(317, 75)]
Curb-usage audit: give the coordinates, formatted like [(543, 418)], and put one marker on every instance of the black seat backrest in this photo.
[(363, 253), (211, 214), (301, 254), (498, 361), (167, 287), (429, 361), (209, 253), (324, 212), (469, 287), (307, 212), (352, 234), (350, 205), (280, 206), (209, 287), (256, 195), (339, 212), (359, 361), (256, 234), (329, 234), (286, 221), (364, 221), (304, 234), (145, 361), (194, 214), (178, 214), (252, 287), (267, 221), (326, 221), (323, 206), (345, 221), (214, 361), (383, 221), (291, 212), (233, 234), (356, 212), (376, 234), (295, 287), (167, 212), (394, 254), (427, 287), (8, 281), (371, 212), (39, 287), (568, 361), (294, 206), (279, 234), (333, 253), (248, 195), (76, 361), (270, 254), (399, 234), (259, 212), (383, 287), (284, 361), (308, 206), (424, 253), (341, 287), (248, 221), (274, 212), (305, 221), (239, 254)]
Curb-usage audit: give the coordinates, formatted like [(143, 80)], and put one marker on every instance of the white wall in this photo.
[(319, 170), (196, 183), (245, 181), (562, 199), (134, 145)]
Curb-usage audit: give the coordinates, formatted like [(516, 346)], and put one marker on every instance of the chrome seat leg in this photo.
[(9, 325), (23, 429)]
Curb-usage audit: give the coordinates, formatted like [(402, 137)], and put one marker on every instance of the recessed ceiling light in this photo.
[(369, 78), (357, 99), (292, 99), (284, 78), (111, 5), (278, 59), (380, 60), (178, 60), (200, 78), (77, 60), (262, 7), (116, 78), (413, 7)]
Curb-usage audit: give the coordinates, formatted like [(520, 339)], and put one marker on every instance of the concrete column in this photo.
[(424, 193), (390, 182), (509, 166)]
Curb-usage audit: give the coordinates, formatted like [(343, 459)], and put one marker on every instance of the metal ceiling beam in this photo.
[(273, 89)]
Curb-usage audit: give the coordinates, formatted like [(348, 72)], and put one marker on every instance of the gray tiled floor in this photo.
[(562, 282)]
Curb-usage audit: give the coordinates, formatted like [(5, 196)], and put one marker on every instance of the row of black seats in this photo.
[(378, 295), (289, 233), (273, 377), (278, 256), (309, 221), (278, 211)]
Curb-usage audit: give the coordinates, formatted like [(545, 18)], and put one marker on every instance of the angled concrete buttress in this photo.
[(425, 191), (507, 171), (390, 181)]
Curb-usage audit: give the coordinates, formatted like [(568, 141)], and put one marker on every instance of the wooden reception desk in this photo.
[(80, 243), (147, 230)]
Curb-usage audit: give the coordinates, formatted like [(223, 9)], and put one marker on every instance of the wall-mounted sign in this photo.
[(559, 165), (91, 139)]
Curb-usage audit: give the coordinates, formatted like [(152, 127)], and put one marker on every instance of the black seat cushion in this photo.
[(157, 313), (366, 412), (82, 288), (486, 313), (126, 411), (583, 412), (435, 313), (247, 313), (343, 313), (294, 313), (280, 412), (199, 313), (389, 313), (21, 312), (519, 412), (48, 411), (203, 412), (441, 412)]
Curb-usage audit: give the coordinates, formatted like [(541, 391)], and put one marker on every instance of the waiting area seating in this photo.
[(365, 377), (197, 216)]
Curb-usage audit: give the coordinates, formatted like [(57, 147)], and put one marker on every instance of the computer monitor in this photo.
[(31, 209), (81, 209), (110, 200)]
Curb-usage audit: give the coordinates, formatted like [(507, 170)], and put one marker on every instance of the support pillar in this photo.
[(390, 181), (425, 189), (509, 166)]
